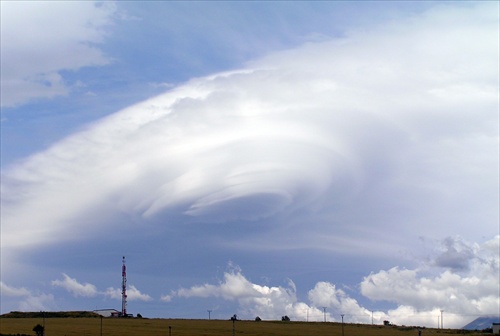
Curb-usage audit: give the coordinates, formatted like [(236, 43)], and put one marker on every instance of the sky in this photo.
[(252, 158)]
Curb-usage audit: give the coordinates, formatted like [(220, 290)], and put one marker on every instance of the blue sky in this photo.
[(258, 158)]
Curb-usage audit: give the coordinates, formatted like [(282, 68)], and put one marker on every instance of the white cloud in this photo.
[(325, 294), (133, 294), (25, 299), (39, 302), (113, 293), (474, 292), (89, 290), (166, 298), (419, 299), (13, 291), (59, 36), (344, 145), (76, 288), (455, 255), (291, 135), (162, 85), (271, 302), (253, 299)]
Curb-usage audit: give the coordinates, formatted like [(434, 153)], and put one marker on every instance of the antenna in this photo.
[(124, 288)]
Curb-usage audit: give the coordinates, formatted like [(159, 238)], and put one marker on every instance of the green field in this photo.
[(152, 327)]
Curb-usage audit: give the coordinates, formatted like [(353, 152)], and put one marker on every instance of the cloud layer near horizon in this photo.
[(355, 146), (420, 294)]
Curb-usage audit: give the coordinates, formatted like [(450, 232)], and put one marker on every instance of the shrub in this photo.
[(38, 329)]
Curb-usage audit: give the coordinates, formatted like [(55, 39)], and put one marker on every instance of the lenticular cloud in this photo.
[(372, 121)]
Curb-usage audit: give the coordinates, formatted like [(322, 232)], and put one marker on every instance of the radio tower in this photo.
[(124, 289)]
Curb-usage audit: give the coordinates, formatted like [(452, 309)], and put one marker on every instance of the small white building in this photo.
[(495, 327), (107, 312)]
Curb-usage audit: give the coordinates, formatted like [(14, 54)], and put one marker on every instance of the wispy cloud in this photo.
[(27, 300), (63, 35), (13, 291)]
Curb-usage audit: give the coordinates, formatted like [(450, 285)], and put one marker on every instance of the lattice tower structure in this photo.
[(124, 288)]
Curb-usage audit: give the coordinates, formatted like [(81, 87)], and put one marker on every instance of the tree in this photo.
[(258, 319), (39, 330), (285, 318), (139, 315)]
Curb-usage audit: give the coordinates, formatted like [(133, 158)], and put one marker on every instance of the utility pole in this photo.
[(342, 315), (43, 317), (324, 312)]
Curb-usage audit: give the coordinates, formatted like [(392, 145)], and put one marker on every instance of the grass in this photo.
[(160, 327)]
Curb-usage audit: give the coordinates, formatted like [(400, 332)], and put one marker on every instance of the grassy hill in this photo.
[(62, 314), (73, 326)]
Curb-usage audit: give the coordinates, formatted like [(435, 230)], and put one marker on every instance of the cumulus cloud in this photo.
[(76, 288), (325, 294), (133, 294), (472, 293), (89, 290), (62, 35), (419, 299), (455, 254), (253, 299), (271, 302)]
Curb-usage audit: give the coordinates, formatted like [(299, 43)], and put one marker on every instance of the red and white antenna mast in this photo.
[(124, 289)]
